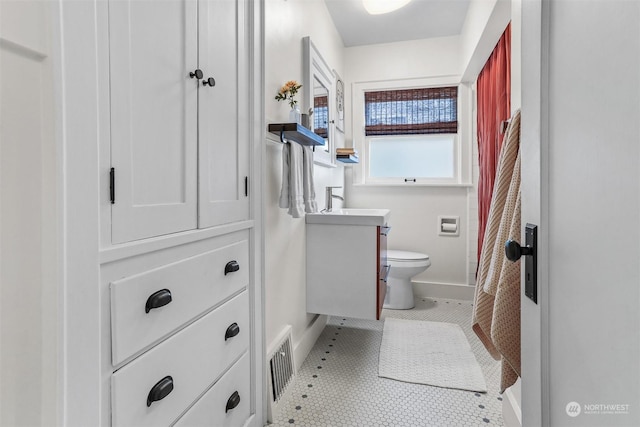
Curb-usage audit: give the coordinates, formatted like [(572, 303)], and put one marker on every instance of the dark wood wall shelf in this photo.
[(348, 158), (295, 132)]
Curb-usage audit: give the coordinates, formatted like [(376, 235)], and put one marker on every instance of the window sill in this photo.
[(411, 184)]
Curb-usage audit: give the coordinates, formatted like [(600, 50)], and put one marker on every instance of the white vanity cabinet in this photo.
[(346, 269), (178, 93)]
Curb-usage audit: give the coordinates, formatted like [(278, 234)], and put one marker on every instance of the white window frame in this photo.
[(462, 141)]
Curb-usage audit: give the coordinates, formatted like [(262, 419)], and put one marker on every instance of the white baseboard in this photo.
[(511, 411), (443, 290), (304, 345)]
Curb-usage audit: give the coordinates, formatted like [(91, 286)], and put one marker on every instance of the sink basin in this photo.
[(350, 216)]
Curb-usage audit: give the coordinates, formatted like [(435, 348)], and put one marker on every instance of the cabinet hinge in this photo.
[(246, 186), (112, 185)]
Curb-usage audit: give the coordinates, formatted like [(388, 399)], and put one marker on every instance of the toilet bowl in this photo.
[(404, 265)]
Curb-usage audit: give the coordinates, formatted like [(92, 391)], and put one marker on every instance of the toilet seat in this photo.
[(407, 259), (395, 255)]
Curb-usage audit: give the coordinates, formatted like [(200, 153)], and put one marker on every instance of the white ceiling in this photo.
[(420, 19)]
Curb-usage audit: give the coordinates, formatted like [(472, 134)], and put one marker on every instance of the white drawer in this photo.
[(193, 358), (215, 407), (195, 285)]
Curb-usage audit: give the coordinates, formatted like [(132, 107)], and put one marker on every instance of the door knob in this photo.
[(198, 74), (514, 251), (210, 81)]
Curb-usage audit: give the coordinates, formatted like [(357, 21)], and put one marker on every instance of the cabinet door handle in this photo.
[(233, 401), (160, 390), (158, 299), (386, 276), (210, 82), (231, 267), (198, 74), (232, 331)]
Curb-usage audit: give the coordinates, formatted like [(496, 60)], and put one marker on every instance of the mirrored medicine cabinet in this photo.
[(318, 95)]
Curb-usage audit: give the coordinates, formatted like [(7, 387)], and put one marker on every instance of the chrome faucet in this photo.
[(330, 197)]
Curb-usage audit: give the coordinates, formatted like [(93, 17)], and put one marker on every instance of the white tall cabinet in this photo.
[(178, 81), (160, 121)]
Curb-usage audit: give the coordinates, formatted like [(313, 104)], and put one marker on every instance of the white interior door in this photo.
[(223, 113), (153, 49), (581, 185)]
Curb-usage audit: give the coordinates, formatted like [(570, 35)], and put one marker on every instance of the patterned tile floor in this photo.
[(338, 384)]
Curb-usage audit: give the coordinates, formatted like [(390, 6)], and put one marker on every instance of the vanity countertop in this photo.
[(350, 216)]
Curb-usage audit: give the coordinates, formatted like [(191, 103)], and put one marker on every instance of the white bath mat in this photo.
[(432, 353)]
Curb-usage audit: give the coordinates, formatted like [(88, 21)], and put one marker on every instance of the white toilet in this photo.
[(404, 265)]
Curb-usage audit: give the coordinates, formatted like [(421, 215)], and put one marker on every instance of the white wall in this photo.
[(286, 23), (414, 211)]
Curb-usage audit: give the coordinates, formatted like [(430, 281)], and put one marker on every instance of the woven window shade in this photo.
[(411, 111), (320, 115)]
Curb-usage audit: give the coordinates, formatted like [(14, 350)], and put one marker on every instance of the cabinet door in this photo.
[(152, 50), (223, 115)]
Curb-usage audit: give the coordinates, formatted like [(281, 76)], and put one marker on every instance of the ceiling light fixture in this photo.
[(378, 7)]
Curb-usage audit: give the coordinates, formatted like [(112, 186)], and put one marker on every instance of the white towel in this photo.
[(297, 194), (284, 190), (309, 192)]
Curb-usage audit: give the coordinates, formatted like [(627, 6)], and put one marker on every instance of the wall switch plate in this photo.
[(531, 263)]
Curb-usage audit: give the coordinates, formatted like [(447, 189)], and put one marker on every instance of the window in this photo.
[(321, 116), (424, 156), (410, 135)]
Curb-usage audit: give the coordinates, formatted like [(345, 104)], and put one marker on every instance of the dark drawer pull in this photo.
[(158, 299), (232, 331), (231, 267), (233, 401), (160, 390)]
